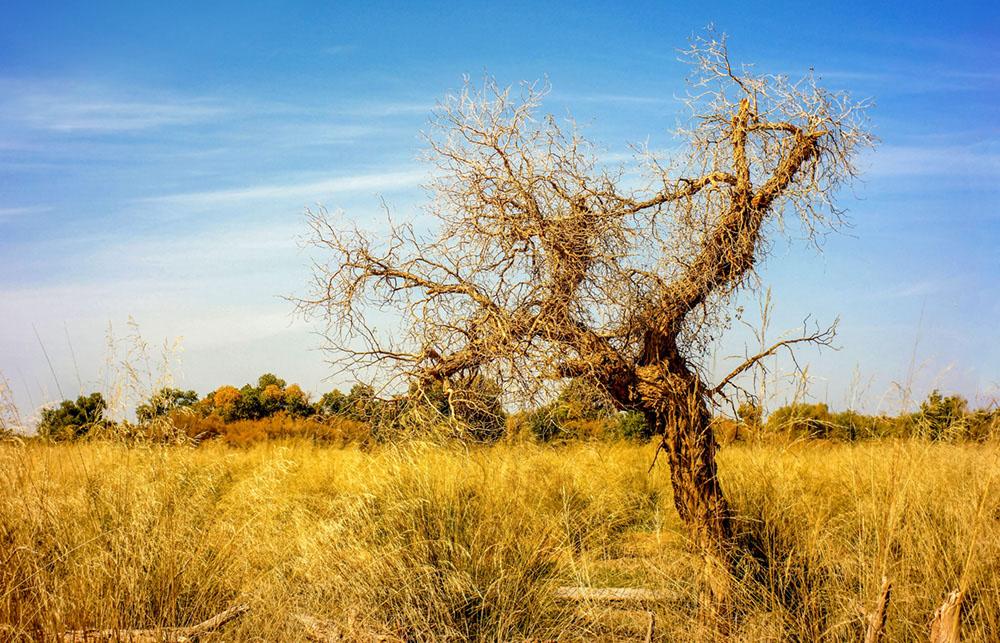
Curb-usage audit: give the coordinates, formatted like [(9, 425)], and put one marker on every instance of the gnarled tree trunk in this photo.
[(675, 405)]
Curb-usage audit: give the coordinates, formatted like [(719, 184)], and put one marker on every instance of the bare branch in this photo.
[(823, 337)]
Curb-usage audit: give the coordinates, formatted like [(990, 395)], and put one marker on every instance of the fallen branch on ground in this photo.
[(156, 635), (612, 594)]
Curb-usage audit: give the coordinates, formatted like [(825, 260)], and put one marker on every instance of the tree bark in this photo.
[(676, 407), (947, 624)]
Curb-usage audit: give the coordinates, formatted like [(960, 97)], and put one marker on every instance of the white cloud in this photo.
[(384, 181), (945, 160), (336, 50), (625, 99), (10, 213), (110, 116), (65, 106)]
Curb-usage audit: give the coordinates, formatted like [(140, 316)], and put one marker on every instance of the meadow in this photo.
[(434, 541)]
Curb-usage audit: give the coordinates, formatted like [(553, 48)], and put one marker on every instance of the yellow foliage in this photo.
[(272, 394), (338, 431), (226, 395), (294, 393)]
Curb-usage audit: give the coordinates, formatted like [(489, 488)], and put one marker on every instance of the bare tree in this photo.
[(547, 264)]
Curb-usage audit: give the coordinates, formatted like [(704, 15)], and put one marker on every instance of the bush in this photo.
[(164, 401), (942, 417), (471, 401), (73, 420), (581, 411), (632, 426), (281, 425), (196, 426), (546, 423), (801, 421)]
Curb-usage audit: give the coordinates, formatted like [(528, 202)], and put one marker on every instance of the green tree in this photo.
[(295, 401), (270, 379), (250, 406), (163, 401), (942, 417), (361, 404), (72, 420), (332, 403)]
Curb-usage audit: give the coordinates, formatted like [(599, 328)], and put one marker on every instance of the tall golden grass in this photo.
[(437, 543)]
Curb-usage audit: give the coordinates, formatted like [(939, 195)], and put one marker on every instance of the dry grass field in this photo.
[(427, 542)]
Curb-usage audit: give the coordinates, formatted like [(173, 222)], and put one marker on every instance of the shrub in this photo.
[(942, 417), (728, 430), (164, 401), (196, 426), (72, 420), (632, 426), (474, 402), (582, 410), (545, 423), (801, 421)]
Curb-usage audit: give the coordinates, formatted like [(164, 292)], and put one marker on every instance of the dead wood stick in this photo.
[(323, 630), (217, 621), (649, 630), (318, 629), (156, 635), (876, 621), (611, 594), (946, 627)]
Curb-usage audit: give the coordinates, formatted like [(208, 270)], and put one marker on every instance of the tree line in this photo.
[(474, 409)]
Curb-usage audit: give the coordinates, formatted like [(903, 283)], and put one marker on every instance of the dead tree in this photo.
[(542, 263)]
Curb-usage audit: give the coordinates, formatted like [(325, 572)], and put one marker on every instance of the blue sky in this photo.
[(155, 161)]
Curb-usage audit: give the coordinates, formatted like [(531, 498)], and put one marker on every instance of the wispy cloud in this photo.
[(383, 181), (10, 213), (67, 107), (943, 160), (390, 108), (623, 99), (337, 50), (114, 116)]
